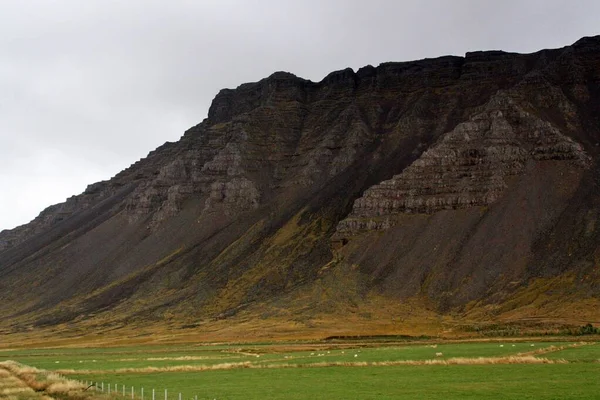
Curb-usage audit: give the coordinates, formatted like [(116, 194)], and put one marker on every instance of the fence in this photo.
[(122, 390)]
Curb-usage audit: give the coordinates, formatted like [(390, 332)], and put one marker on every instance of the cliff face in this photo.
[(457, 181)]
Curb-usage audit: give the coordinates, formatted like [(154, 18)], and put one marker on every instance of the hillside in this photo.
[(409, 197)]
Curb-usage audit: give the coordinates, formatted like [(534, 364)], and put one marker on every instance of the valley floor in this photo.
[(495, 369)]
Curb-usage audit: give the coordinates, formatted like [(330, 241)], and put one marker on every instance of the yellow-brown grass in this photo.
[(17, 378), (11, 387), (175, 368), (449, 361), (65, 386), (552, 349), (181, 358)]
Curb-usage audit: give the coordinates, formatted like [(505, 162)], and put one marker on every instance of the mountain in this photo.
[(423, 196)]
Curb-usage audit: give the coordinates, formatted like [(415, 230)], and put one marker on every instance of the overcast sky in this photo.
[(88, 87)]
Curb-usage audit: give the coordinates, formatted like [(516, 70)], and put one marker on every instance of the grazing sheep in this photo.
[(501, 345), (438, 354)]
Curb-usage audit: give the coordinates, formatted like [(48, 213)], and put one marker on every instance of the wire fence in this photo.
[(132, 392)]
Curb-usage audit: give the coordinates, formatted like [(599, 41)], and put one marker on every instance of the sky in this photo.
[(89, 87)]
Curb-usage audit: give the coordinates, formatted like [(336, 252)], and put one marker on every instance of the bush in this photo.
[(588, 330)]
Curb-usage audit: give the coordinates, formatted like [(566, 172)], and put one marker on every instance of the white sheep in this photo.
[(438, 354)]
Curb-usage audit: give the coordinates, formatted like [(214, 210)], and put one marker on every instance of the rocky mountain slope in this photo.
[(455, 188)]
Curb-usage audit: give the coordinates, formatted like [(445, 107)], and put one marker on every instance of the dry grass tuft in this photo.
[(496, 360), (13, 390), (181, 358), (65, 386), (175, 368), (39, 384)]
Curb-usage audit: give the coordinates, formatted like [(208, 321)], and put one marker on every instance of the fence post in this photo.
[(103, 386), (142, 393), (179, 396), (132, 392), (152, 394), (109, 388), (166, 394)]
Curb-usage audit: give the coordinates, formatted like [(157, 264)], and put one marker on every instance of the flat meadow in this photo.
[(330, 370)]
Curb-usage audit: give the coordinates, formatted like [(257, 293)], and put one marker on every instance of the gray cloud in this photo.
[(88, 87)]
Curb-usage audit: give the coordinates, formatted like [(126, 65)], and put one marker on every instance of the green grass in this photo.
[(556, 381), (141, 357), (583, 354), (114, 358), (578, 379)]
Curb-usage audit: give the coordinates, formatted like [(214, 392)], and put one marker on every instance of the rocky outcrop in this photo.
[(469, 167)]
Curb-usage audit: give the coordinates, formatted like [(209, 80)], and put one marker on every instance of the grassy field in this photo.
[(495, 370)]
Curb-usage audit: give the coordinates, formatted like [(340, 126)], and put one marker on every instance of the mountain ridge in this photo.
[(397, 182)]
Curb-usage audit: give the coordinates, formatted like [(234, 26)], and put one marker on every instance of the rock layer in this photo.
[(469, 167)]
